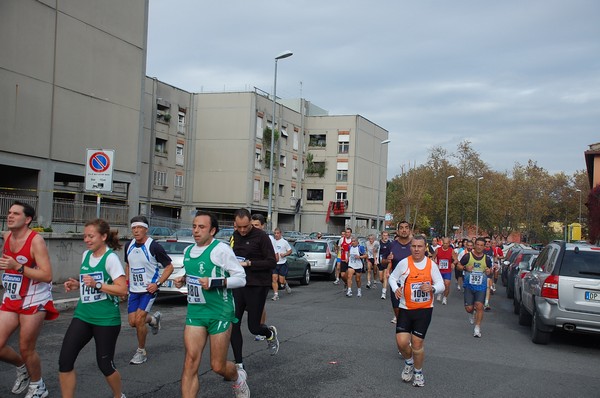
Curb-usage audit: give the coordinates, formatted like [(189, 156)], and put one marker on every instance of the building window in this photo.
[(293, 193), (257, 158), (341, 175), (160, 178), (281, 189), (179, 180), (314, 194), (341, 195), (317, 140), (343, 143), (284, 132), (282, 161), (294, 168), (179, 155), (256, 195), (295, 141), (160, 146), (181, 122), (259, 127)]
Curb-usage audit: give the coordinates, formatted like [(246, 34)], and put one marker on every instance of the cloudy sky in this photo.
[(519, 79)]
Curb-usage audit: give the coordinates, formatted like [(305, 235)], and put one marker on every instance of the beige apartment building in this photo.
[(74, 79)]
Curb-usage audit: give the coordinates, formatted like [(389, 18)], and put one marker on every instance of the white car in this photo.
[(320, 254), (174, 248)]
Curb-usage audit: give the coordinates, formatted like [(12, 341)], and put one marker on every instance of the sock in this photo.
[(409, 361), (22, 369), (419, 370), (142, 350), (39, 383)]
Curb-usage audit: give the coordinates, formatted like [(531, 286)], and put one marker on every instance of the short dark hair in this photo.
[(140, 218), (28, 209), (259, 217), (480, 239), (242, 213), (214, 223), (402, 222)]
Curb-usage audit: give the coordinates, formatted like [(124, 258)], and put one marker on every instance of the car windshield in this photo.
[(224, 233), (318, 247), (581, 264), (175, 247)]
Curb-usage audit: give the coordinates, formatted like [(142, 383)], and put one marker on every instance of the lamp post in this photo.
[(446, 222), (579, 190), (477, 217), (384, 142), (283, 55)]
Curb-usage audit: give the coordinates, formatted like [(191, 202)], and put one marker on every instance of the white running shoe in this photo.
[(37, 390), (408, 372), (241, 390), (439, 297), (337, 281), (349, 293), (21, 382), (156, 318), (275, 297), (359, 293), (368, 284), (383, 294), (444, 301), (419, 380), (139, 357), (458, 287), (273, 342), (393, 320), (476, 331), (259, 337), (288, 289)]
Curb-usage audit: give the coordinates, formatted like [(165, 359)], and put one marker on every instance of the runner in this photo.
[(466, 247), (446, 259), (489, 251), (258, 221), (144, 256), (255, 253), (344, 245), (372, 259), (338, 260), (101, 282), (416, 300), (356, 254), (282, 250), (212, 270), (400, 249), (27, 298), (477, 267), (384, 252)]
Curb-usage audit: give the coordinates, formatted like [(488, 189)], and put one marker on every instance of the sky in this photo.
[(518, 79)]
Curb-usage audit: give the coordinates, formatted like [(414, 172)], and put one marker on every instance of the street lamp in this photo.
[(579, 190), (283, 55), (384, 142), (446, 222), (477, 217)]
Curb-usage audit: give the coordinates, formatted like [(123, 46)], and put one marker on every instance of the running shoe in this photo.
[(259, 337), (438, 297), (472, 318), (407, 372), (349, 293), (419, 380), (368, 284), (21, 382), (383, 294), (275, 297), (487, 308), (123, 395), (493, 288), (393, 320), (273, 342), (37, 390), (337, 281), (359, 293), (476, 331), (241, 390), (458, 287), (444, 301), (156, 318), (139, 357), (239, 366), (288, 289)]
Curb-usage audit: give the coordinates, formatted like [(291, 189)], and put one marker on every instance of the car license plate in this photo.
[(592, 296)]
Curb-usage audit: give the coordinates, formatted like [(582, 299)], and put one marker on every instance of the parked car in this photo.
[(159, 231), (182, 232), (299, 268), (523, 256), (224, 234), (320, 253), (292, 236), (562, 291), (509, 258), (523, 269), (174, 248)]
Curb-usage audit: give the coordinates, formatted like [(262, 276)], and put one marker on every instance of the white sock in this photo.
[(409, 361), (22, 369)]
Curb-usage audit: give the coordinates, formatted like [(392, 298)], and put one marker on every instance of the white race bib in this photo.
[(476, 278), (443, 264), (195, 295), (417, 295), (138, 277), (91, 294), (12, 285)]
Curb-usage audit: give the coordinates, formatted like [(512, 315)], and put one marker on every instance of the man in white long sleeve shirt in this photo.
[(418, 280)]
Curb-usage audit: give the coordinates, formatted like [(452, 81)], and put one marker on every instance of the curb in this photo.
[(63, 305)]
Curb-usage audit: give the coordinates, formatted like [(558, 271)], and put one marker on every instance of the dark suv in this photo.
[(562, 291)]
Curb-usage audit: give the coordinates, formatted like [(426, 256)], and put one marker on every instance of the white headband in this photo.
[(139, 224)]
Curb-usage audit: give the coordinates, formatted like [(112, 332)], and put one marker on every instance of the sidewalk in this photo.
[(64, 301)]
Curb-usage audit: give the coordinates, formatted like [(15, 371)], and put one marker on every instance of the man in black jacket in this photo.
[(255, 252)]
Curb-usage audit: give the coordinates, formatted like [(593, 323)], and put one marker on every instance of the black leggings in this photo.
[(250, 299), (78, 335)]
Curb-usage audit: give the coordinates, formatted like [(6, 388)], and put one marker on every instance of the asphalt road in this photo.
[(334, 346)]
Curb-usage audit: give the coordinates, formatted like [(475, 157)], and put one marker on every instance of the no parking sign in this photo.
[(99, 170)]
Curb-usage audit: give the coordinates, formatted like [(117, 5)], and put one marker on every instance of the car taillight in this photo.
[(550, 287), (328, 253)]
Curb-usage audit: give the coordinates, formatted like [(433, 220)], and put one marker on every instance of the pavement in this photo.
[(64, 301)]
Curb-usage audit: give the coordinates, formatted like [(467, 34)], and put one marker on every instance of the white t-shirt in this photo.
[(223, 256), (114, 267), (281, 247)]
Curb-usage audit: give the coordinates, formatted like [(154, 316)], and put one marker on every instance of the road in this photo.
[(334, 346)]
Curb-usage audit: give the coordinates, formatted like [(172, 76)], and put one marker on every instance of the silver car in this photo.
[(562, 291), (320, 254), (174, 248)]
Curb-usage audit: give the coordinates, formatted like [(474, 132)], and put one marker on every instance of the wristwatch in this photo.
[(98, 285), (21, 270), (433, 289), (159, 284)]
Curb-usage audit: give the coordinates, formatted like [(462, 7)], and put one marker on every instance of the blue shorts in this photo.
[(447, 276), (473, 296), (140, 301), (281, 269)]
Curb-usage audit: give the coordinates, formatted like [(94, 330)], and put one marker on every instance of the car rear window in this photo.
[(313, 247), (581, 264), (175, 247)]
